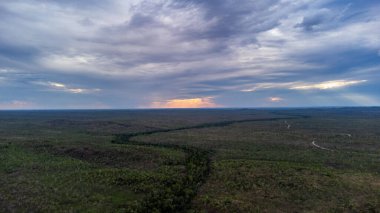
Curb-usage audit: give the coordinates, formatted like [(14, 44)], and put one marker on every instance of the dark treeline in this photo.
[(176, 194), (126, 137)]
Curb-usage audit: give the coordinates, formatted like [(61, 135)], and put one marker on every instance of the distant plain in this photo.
[(191, 160)]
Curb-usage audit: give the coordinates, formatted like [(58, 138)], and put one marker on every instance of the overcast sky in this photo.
[(188, 53)]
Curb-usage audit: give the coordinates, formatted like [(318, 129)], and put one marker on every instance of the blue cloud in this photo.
[(141, 52)]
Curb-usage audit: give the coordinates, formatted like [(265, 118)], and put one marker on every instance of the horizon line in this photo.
[(200, 108)]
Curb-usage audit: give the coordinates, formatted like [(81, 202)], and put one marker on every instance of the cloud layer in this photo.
[(125, 54)]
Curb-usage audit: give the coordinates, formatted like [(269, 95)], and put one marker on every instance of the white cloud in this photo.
[(56, 86), (264, 86), (326, 85), (71, 63), (275, 99), (6, 70)]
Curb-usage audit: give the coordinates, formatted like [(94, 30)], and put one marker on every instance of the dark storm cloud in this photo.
[(311, 22), (232, 19)]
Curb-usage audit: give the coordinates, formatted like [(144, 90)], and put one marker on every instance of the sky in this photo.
[(116, 54)]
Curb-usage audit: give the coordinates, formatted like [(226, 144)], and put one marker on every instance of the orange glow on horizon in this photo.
[(206, 102)]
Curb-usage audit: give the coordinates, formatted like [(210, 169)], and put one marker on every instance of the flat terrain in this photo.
[(226, 160)]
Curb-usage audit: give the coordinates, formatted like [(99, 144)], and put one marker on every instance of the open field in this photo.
[(227, 160)]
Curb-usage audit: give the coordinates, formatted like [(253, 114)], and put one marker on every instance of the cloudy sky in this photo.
[(188, 53)]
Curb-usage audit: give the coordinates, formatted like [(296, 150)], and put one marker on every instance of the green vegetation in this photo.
[(190, 160), (175, 194)]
